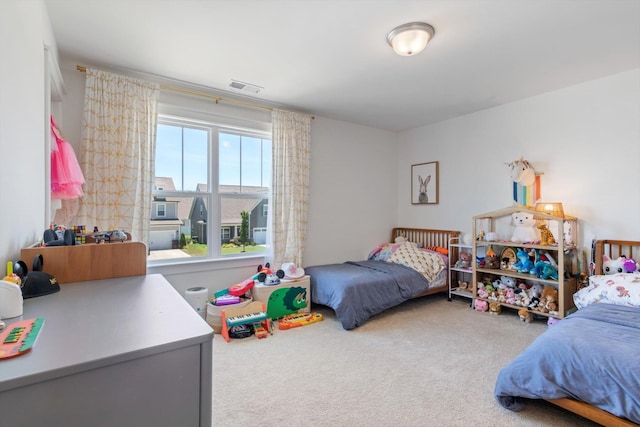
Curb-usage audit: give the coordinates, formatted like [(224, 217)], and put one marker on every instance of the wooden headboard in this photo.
[(425, 236), (614, 249)]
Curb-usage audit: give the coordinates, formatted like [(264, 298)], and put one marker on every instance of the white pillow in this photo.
[(620, 289)]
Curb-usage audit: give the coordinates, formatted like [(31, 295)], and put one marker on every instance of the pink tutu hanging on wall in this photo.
[(66, 175)]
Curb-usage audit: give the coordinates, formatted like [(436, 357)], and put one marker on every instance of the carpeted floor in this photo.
[(428, 362)]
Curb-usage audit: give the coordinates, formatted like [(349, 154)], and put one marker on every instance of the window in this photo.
[(210, 173), (265, 209)]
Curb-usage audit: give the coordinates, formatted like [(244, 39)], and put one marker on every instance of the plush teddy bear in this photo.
[(464, 260), (525, 227), (548, 300)]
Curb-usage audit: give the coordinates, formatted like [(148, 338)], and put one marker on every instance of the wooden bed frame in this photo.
[(613, 249), (427, 238)]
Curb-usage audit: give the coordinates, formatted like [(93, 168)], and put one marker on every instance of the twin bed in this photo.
[(393, 273), (588, 362)]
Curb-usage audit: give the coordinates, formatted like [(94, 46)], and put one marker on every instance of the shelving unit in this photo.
[(500, 222), (460, 275)]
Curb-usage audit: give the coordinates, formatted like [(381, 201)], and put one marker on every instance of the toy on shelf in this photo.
[(524, 231), (524, 264), (491, 259), (546, 237), (464, 260)]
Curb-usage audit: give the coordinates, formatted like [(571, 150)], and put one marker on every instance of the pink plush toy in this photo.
[(481, 305)]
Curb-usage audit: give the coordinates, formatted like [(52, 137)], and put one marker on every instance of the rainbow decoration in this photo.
[(527, 195)]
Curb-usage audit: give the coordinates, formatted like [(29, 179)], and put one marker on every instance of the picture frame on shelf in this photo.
[(425, 184)]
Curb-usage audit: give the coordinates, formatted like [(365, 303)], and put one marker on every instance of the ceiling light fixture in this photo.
[(410, 39)]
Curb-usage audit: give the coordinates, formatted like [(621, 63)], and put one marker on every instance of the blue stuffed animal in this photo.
[(524, 264), (546, 270)]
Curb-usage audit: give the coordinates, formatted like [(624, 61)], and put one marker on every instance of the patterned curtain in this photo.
[(118, 137), (290, 187)]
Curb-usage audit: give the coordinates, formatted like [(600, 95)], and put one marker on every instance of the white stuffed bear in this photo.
[(525, 227)]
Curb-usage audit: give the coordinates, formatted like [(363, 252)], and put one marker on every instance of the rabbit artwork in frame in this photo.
[(424, 183)]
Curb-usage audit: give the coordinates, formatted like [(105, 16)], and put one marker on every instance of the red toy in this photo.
[(241, 288)]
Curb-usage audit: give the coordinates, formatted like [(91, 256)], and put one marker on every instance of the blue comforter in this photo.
[(357, 290), (591, 356)]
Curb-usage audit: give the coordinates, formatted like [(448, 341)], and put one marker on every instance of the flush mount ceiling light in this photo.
[(410, 39)]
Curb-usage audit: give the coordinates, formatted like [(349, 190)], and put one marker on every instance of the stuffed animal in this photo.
[(535, 290), (510, 296), (480, 305), (524, 264), (545, 270), (522, 172), (546, 237), (509, 282), (630, 266), (552, 321), (495, 308), (613, 266), (491, 259), (464, 260), (525, 316), (482, 292), (525, 230)]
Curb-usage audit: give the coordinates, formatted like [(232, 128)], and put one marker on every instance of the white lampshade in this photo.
[(410, 39)]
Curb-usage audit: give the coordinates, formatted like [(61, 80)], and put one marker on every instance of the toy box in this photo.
[(288, 297)]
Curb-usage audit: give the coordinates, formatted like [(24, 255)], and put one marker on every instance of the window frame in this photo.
[(214, 229)]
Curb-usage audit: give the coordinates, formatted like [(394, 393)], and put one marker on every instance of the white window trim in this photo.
[(214, 259)]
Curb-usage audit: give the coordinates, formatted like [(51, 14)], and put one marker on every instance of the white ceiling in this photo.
[(331, 58)]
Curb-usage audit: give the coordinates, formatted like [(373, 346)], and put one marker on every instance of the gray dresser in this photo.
[(116, 352)]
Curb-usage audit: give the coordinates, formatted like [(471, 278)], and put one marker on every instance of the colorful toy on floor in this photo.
[(20, 337), (297, 320)]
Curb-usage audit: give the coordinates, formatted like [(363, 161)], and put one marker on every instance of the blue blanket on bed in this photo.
[(357, 290), (591, 356)]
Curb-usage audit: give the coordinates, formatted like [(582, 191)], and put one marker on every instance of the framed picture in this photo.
[(424, 184)]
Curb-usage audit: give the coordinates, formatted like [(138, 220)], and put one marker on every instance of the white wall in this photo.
[(24, 31), (352, 204), (584, 138)]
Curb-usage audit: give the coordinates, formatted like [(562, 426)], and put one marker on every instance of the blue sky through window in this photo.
[(182, 153)]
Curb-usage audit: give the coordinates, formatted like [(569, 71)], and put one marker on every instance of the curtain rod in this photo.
[(216, 98)]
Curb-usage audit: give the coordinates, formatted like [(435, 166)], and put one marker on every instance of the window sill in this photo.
[(179, 266)]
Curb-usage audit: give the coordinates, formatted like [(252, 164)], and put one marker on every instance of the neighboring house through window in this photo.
[(208, 174)]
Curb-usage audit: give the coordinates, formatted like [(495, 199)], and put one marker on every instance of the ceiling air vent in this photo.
[(244, 87)]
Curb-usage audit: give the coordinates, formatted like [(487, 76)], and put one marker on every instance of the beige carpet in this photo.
[(428, 362)]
